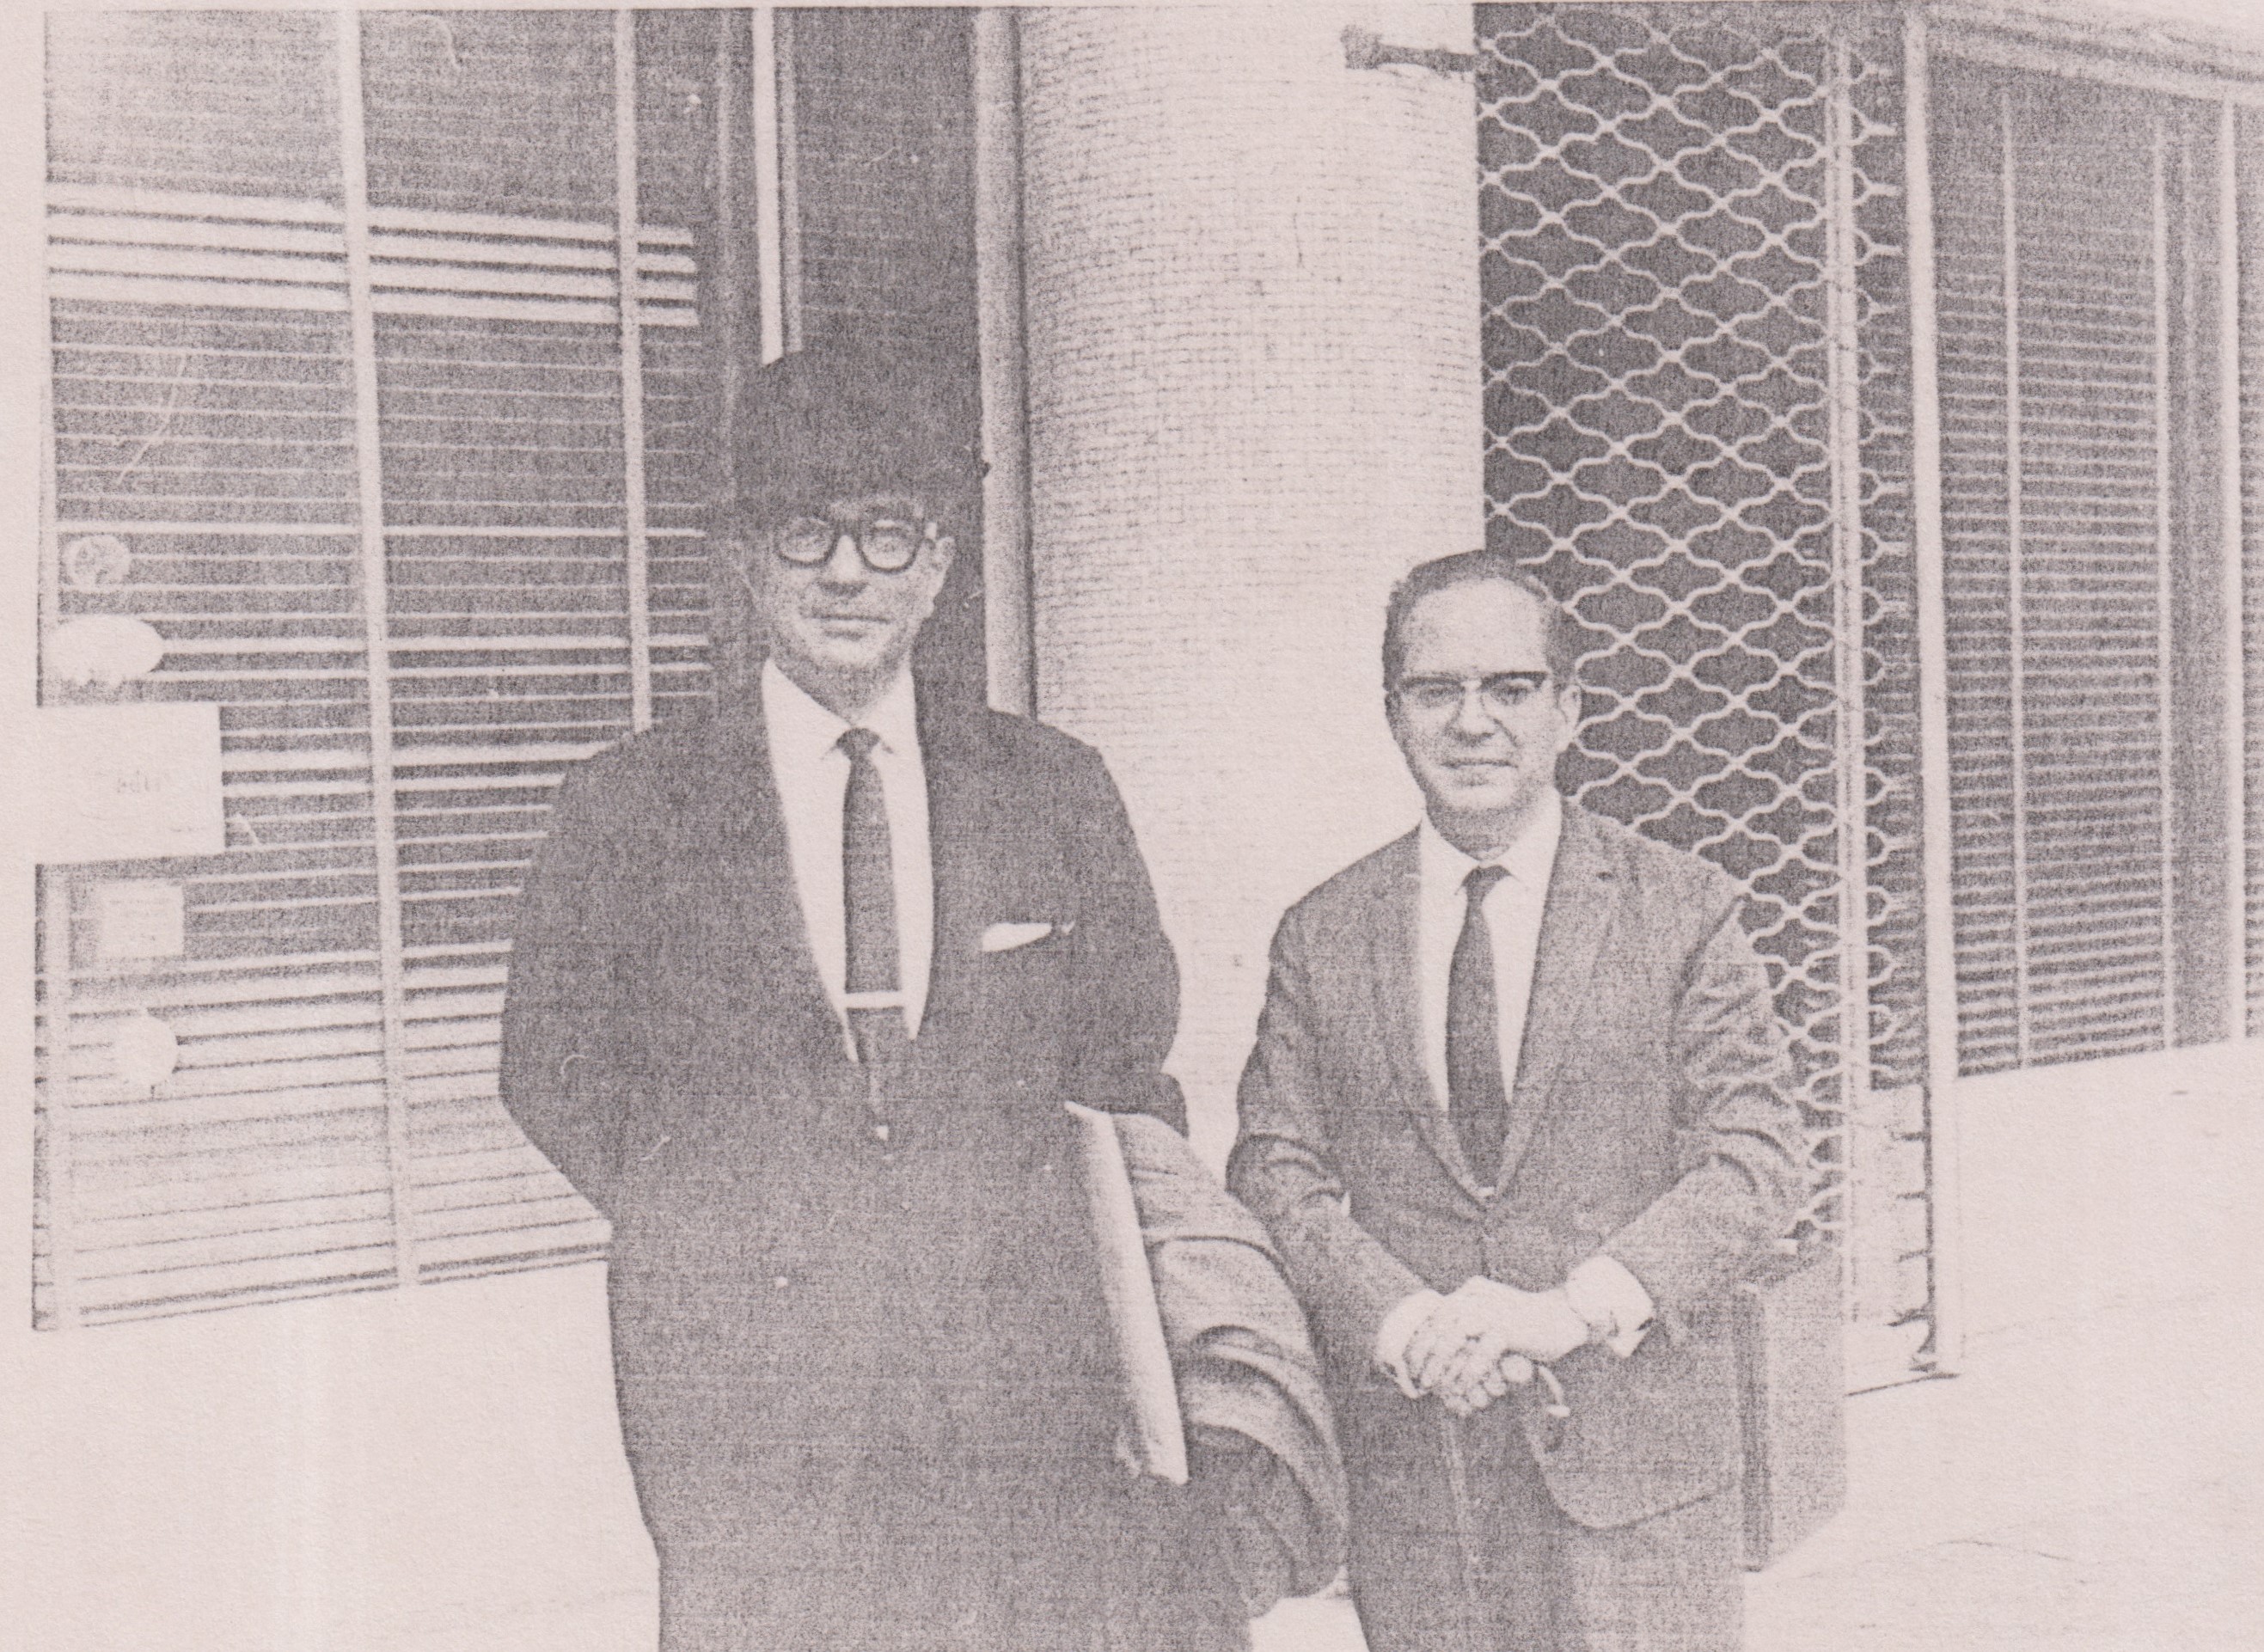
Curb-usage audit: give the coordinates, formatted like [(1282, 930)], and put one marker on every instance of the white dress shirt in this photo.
[(1513, 914), (812, 772), (1610, 1299)]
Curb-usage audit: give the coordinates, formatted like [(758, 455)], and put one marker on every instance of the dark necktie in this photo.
[(870, 984), (1476, 1100)]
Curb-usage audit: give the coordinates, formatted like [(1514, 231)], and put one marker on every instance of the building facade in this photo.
[(1875, 382)]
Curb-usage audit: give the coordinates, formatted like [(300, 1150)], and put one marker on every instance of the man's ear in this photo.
[(944, 545), (1568, 708)]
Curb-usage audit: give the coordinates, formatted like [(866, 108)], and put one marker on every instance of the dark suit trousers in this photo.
[(1457, 1546)]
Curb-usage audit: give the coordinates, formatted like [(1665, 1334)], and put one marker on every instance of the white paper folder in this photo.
[(1155, 1432)]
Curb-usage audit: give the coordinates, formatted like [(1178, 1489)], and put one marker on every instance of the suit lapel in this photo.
[(1575, 918), (1395, 966), (738, 829), (961, 832)]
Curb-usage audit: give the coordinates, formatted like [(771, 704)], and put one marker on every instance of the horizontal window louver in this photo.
[(2061, 305), (205, 414)]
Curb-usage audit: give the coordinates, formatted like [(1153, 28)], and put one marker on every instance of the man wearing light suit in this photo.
[(1520, 1119), (796, 996)]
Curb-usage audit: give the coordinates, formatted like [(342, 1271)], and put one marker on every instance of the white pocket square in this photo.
[(1005, 938)]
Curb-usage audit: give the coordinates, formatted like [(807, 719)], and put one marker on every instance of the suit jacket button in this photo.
[(879, 1133), (781, 1281)]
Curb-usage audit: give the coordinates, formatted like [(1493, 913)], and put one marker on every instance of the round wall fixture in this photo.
[(96, 561)]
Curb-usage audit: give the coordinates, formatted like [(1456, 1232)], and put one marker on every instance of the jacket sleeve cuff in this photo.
[(1618, 1310)]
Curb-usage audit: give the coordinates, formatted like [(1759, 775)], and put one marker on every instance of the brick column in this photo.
[(1252, 313)]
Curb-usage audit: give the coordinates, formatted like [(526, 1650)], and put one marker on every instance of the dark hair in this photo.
[(846, 417), (1560, 638)]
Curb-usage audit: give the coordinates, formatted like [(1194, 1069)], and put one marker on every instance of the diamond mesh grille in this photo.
[(1656, 200)]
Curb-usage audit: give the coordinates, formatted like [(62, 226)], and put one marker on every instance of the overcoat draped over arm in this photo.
[(864, 1374)]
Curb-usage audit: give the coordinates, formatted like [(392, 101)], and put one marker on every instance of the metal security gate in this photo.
[(1696, 344), (1833, 350)]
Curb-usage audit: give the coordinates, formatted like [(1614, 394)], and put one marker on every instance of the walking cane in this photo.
[(1458, 1481)]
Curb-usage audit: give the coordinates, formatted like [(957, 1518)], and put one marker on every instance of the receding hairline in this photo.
[(1560, 639)]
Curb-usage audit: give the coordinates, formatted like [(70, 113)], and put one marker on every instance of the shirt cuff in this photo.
[(1619, 1310), (1398, 1330)]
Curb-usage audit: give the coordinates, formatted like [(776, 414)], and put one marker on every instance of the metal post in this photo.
[(2164, 589), (62, 1237), (2232, 546), (1008, 642), (1944, 1236), (2016, 593), (770, 225), (633, 501), (376, 641), (788, 172), (59, 978), (1843, 369)]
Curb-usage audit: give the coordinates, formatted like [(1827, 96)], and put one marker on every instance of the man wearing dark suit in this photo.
[(1520, 1100), (797, 996)]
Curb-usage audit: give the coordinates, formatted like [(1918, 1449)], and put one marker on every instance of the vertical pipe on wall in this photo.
[(2232, 543), (770, 216), (2164, 588), (58, 977), (2016, 596), (376, 641), (1946, 1351), (1006, 640), (786, 128), (1843, 368), (638, 544), (57, 1120), (724, 264)]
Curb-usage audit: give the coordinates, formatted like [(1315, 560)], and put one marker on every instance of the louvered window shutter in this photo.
[(2074, 250), (412, 489)]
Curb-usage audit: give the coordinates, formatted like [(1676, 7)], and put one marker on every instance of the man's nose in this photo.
[(1472, 720), (845, 564)]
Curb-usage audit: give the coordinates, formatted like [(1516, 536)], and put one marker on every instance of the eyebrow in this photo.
[(1536, 672), (898, 504)]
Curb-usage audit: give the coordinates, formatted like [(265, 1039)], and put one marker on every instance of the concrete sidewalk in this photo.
[(2090, 1481)]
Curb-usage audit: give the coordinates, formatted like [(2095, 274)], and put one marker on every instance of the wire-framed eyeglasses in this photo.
[(889, 544), (1501, 694)]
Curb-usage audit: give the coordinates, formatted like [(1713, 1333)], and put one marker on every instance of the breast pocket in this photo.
[(1025, 950)]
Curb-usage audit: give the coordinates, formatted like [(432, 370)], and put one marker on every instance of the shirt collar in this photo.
[(799, 724), (1528, 860)]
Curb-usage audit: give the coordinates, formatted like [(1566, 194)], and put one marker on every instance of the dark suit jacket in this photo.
[(864, 1383), (1652, 1120)]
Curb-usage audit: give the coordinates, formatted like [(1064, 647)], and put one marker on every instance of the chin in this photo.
[(849, 662), (840, 656), (1485, 797), (1484, 808)]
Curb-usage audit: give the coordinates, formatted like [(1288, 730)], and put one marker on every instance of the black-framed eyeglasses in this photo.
[(889, 544), (1501, 694)]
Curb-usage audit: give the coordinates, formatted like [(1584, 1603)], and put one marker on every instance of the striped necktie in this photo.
[(871, 987)]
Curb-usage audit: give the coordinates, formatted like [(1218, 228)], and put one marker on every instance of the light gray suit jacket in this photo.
[(1652, 1119)]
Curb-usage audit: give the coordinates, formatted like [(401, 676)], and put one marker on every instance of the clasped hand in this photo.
[(1485, 1338)]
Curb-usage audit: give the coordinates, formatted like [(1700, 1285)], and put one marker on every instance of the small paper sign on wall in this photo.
[(128, 782)]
